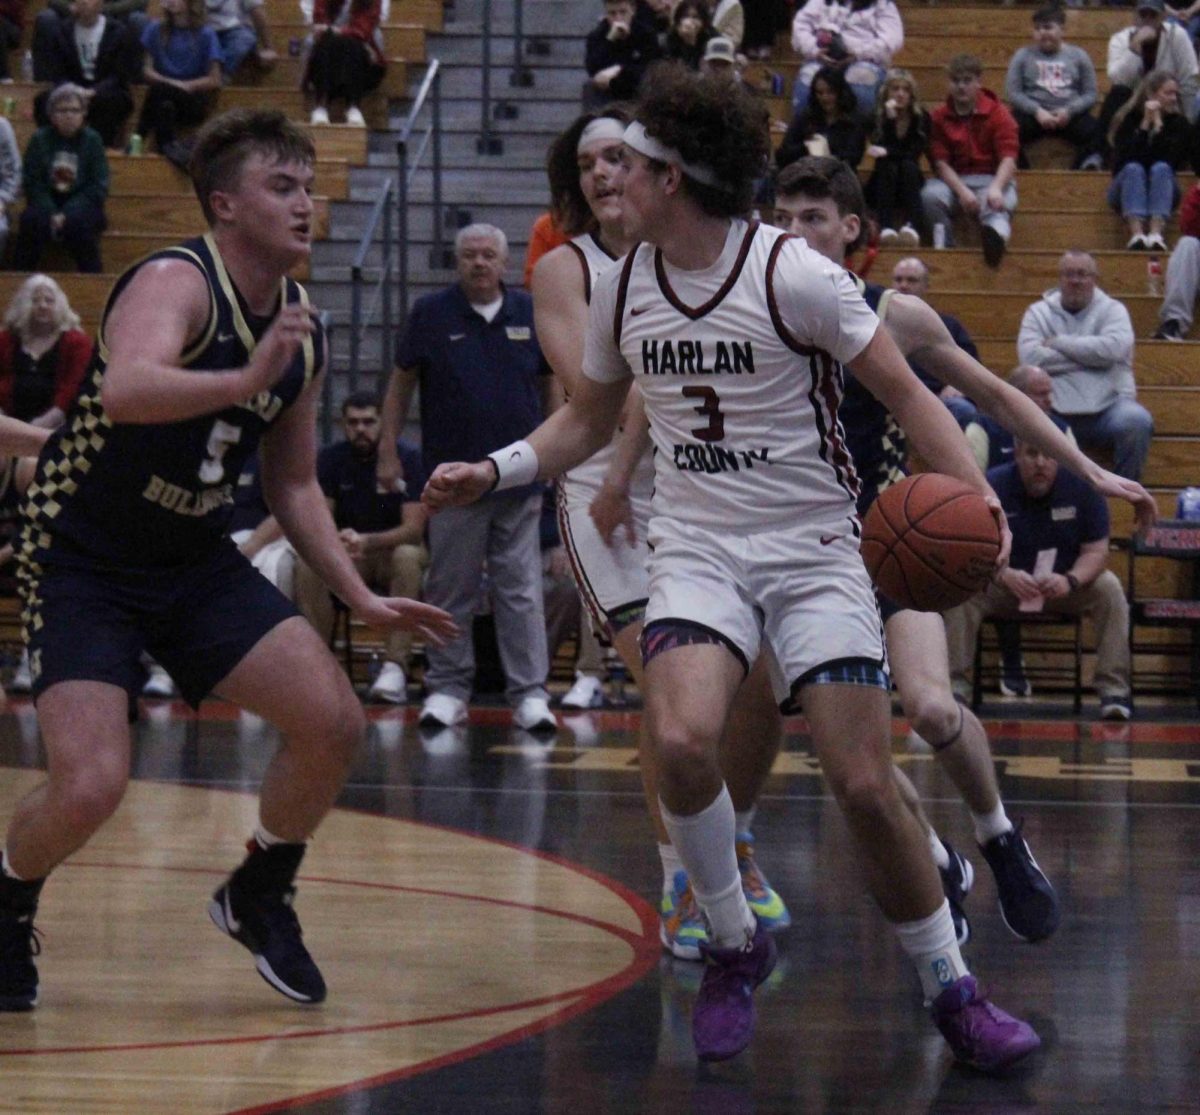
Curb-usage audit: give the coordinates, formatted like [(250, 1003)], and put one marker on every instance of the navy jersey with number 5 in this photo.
[(160, 494)]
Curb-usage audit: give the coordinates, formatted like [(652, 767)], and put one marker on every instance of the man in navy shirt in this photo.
[(1059, 557), (484, 384), (383, 532)]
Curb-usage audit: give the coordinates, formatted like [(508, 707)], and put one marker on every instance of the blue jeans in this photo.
[(1124, 427), (236, 45), (1138, 192)]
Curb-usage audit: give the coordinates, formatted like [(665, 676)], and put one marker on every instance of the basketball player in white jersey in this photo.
[(737, 333), (821, 200), (612, 573)]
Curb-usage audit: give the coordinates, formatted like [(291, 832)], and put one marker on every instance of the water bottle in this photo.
[(939, 236), (27, 66), (1154, 275), (1187, 506)]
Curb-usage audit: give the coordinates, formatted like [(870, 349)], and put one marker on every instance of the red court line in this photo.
[(645, 948)]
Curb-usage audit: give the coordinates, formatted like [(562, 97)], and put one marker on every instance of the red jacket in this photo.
[(974, 144), (74, 355), (1189, 212)]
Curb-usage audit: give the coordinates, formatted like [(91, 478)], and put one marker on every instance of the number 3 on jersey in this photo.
[(223, 435), (710, 409)]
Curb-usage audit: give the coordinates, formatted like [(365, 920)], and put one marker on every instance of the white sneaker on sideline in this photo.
[(908, 236), (354, 117), (159, 683), (22, 679), (391, 685), (587, 692), (888, 236), (443, 710), (534, 715), (320, 115)]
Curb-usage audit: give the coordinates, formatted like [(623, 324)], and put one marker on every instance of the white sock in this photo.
[(940, 856), (705, 843), (7, 869), (743, 819), (266, 839), (671, 863), (990, 825), (932, 945)]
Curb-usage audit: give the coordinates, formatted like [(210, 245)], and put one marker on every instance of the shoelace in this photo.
[(21, 941)]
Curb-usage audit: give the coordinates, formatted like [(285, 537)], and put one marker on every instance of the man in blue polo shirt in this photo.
[(484, 384), (382, 531), (1058, 564)]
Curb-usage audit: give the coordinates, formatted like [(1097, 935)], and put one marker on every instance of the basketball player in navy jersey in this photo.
[(611, 570), (204, 350), (736, 333), (821, 200)]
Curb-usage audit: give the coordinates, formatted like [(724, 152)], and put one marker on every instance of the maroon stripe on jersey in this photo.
[(782, 330), (623, 293), (699, 311), (825, 396), (587, 271), (599, 618), (602, 246)]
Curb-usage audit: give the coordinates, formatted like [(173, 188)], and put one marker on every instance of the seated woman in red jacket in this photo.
[(44, 355), (347, 61)]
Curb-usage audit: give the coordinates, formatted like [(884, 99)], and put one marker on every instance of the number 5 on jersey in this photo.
[(223, 435)]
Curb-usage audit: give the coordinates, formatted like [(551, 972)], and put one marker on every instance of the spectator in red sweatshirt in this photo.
[(973, 147), (1183, 273)]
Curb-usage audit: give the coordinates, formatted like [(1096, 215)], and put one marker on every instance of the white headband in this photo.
[(643, 144), (603, 127)]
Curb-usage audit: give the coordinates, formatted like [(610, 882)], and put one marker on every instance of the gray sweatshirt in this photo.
[(1089, 354), (1066, 79)]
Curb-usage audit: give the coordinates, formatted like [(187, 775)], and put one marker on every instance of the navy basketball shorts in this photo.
[(92, 623)]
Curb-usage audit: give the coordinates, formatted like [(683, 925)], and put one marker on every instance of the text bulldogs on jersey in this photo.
[(691, 358)]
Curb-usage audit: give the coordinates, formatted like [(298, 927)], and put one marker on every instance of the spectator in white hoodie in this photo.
[(858, 37), (1151, 43), (1084, 339)]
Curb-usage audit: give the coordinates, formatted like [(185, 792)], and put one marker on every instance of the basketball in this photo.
[(930, 542)]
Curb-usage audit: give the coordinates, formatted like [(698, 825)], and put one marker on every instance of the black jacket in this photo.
[(118, 61)]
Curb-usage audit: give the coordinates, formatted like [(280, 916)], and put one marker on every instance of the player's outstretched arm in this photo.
[(296, 500), (921, 334), (924, 418), (560, 314), (20, 439), (165, 308), (567, 438)]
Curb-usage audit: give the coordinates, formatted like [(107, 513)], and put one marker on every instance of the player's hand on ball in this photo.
[(275, 352), (457, 483), (430, 623), (1005, 534)]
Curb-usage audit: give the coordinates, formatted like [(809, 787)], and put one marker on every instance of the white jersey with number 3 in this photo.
[(740, 367)]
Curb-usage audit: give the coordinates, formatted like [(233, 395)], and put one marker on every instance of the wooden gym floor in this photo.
[(478, 905)]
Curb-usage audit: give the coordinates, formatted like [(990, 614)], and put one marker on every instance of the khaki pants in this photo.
[(1103, 601), (394, 572)]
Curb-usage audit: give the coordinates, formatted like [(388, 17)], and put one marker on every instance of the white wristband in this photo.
[(516, 465)]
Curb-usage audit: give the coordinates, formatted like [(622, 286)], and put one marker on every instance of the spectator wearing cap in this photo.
[(1151, 43), (720, 57)]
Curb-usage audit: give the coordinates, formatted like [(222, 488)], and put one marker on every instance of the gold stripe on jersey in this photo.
[(306, 346), (196, 347)]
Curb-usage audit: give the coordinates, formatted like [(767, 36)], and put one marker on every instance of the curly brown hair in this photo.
[(711, 123), (568, 206)]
